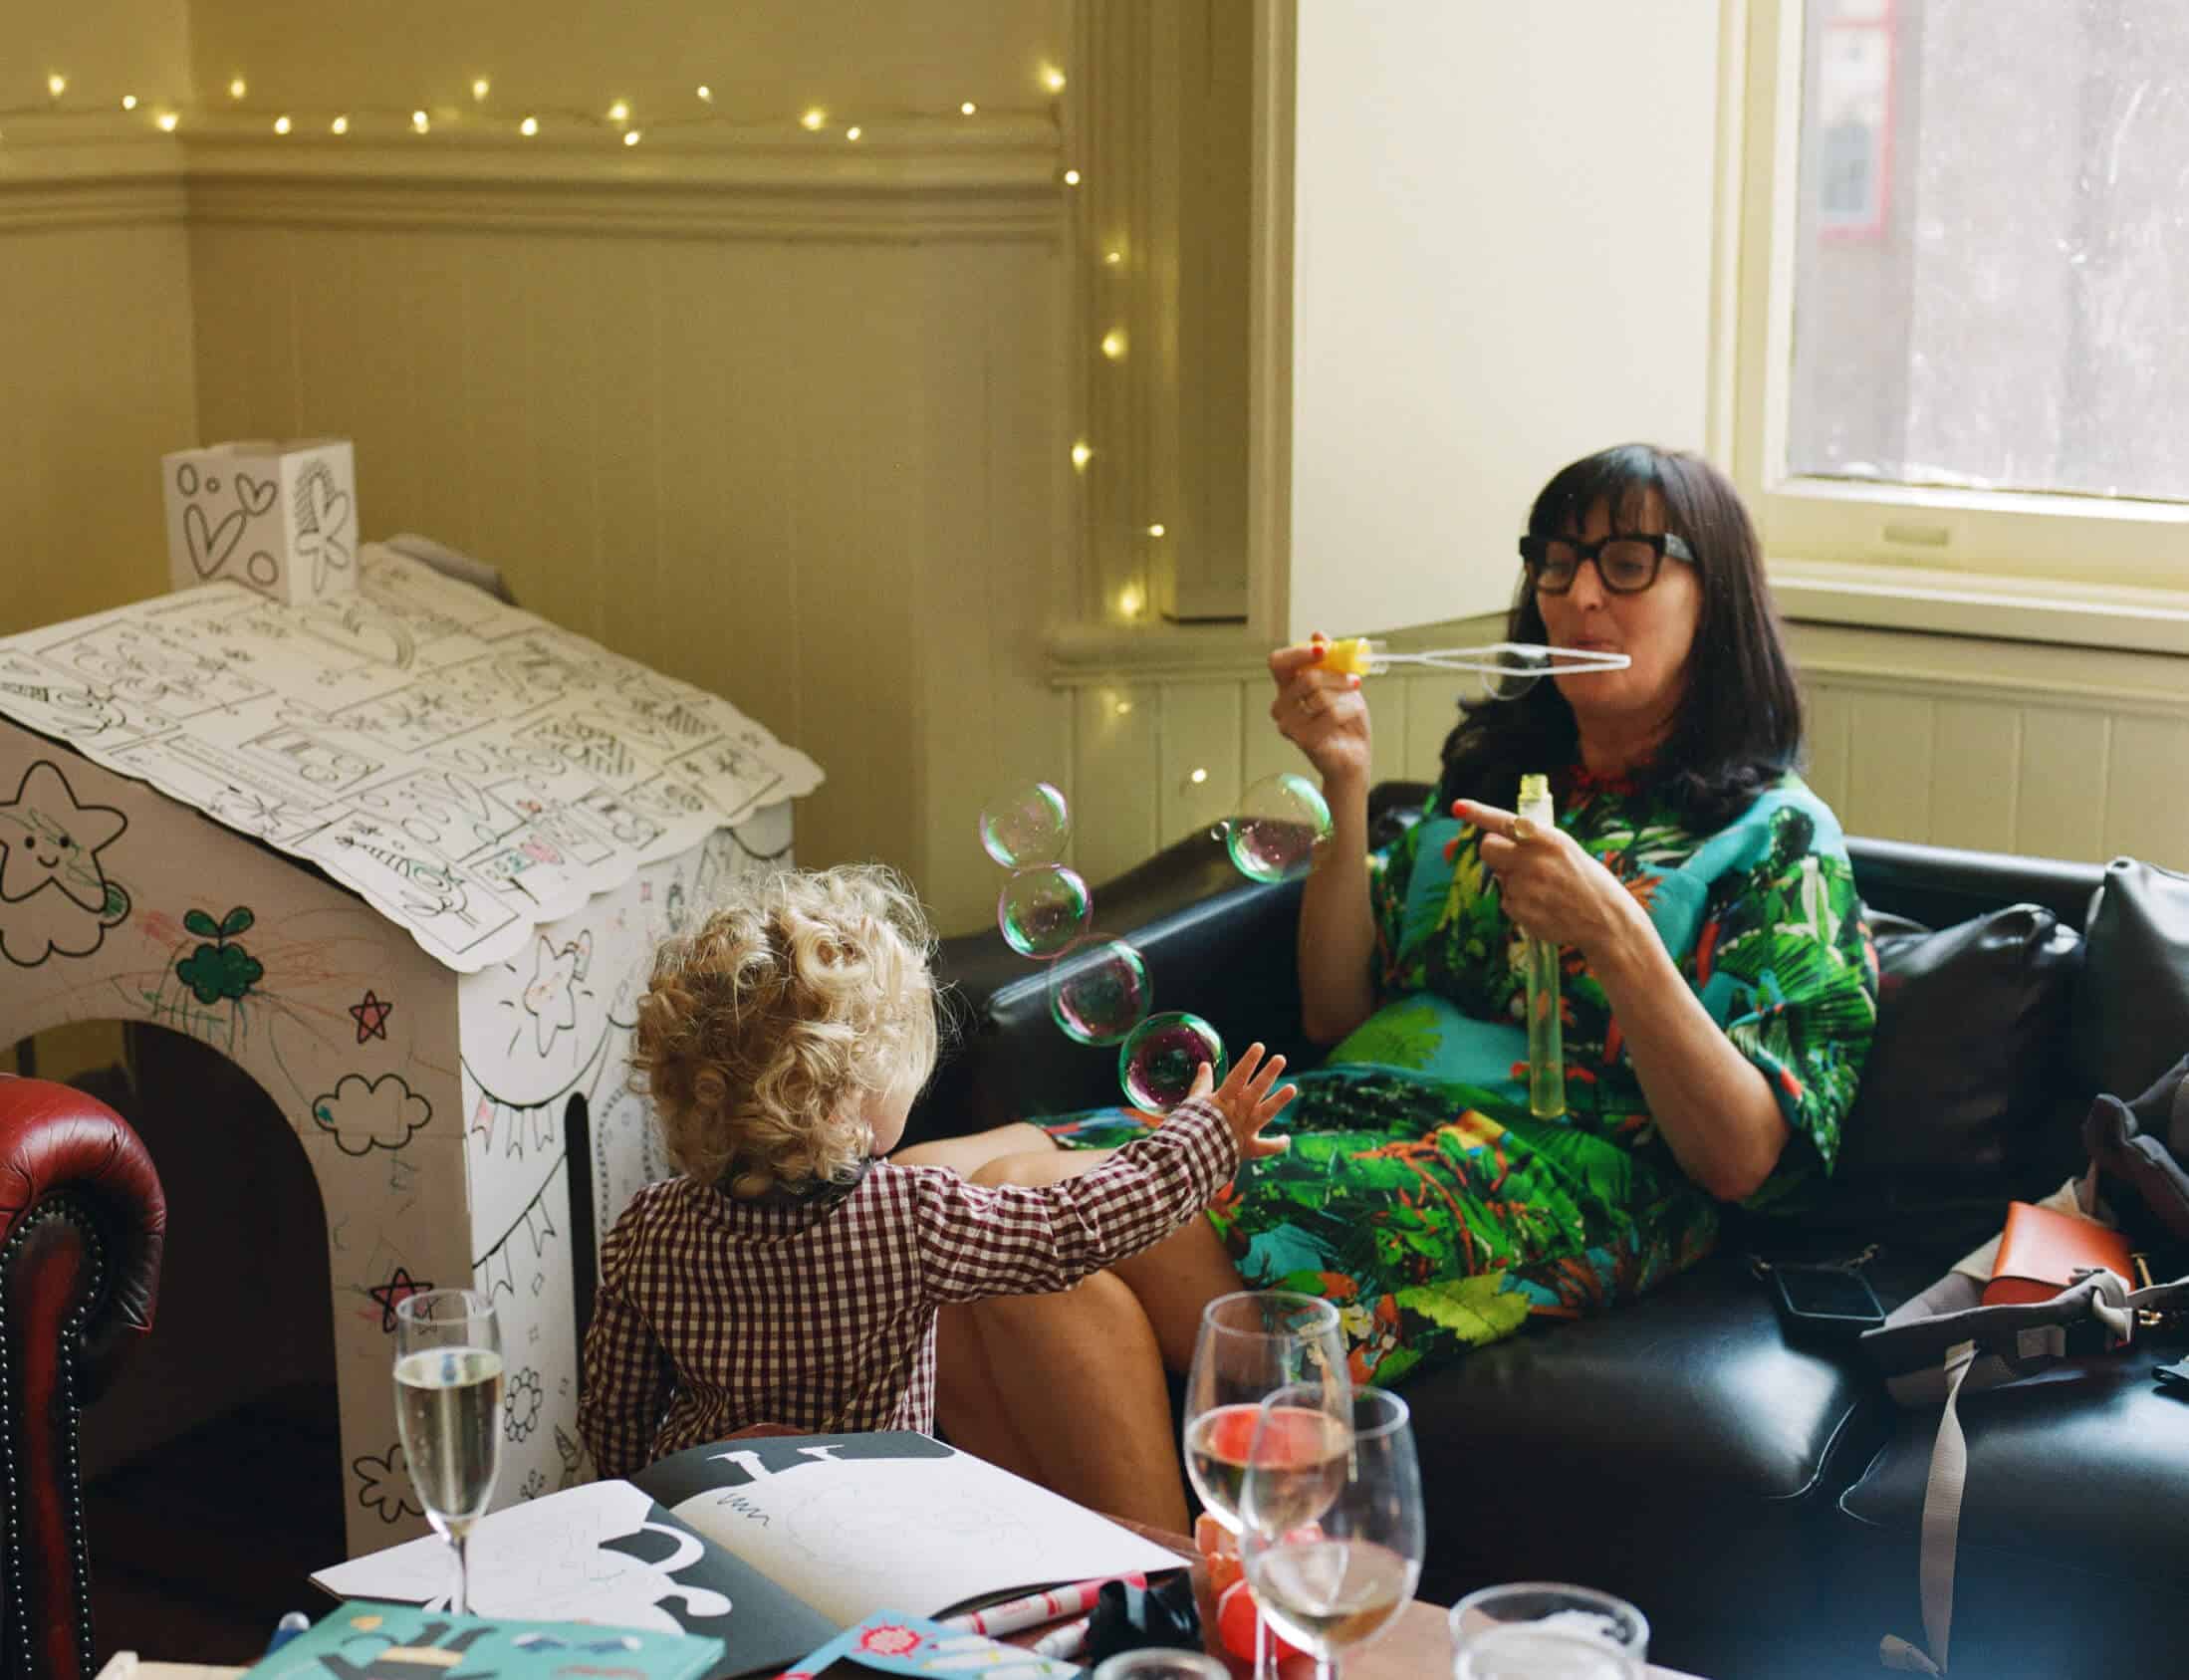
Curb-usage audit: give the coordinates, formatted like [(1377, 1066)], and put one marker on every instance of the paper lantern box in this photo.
[(403, 859), (277, 517)]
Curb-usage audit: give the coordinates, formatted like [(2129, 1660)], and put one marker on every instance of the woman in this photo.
[(1718, 1000)]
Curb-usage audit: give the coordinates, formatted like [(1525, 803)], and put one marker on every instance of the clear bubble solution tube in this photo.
[(1540, 960)]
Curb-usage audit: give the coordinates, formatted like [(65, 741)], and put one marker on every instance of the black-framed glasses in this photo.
[(1627, 561)]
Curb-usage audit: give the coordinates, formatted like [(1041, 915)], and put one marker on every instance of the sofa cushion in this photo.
[(2132, 1013)]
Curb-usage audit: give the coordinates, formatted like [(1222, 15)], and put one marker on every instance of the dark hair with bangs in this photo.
[(1738, 724)]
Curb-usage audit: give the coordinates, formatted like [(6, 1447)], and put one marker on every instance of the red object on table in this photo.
[(1236, 1615)]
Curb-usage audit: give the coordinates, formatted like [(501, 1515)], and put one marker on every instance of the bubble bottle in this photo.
[(1540, 963)]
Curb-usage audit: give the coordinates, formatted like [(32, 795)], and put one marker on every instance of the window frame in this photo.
[(2036, 567)]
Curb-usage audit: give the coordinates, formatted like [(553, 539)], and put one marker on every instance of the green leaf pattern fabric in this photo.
[(1420, 1195)]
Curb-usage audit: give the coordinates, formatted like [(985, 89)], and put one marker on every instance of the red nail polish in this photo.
[(1352, 681), (1315, 650)]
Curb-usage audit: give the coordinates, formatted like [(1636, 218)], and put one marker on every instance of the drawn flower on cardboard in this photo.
[(383, 1484), (889, 1640), (217, 969), (521, 1406), (534, 1485)]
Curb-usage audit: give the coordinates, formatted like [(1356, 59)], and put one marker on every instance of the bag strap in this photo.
[(2011, 1340)]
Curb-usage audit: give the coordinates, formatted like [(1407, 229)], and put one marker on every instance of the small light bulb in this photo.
[(57, 84), (281, 125), (631, 138), (1128, 601), (1072, 177), (1113, 343), (854, 132), (481, 87), (238, 88), (706, 94), (129, 102), (1112, 259), (341, 125), (812, 118), (1052, 79), (619, 112), (1080, 455), (1198, 777), (168, 120), (420, 122), (529, 127), (967, 108), (1123, 706), (1155, 530)]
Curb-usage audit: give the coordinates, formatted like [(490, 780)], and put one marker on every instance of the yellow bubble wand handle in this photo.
[(1540, 964)]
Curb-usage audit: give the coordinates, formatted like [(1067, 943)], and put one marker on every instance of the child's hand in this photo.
[(1247, 1103)]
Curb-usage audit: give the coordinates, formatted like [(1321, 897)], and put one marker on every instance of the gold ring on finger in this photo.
[(1523, 830)]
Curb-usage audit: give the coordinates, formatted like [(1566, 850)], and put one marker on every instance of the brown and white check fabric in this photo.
[(713, 1313)]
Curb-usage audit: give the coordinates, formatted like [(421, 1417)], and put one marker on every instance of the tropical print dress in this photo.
[(1421, 1197)]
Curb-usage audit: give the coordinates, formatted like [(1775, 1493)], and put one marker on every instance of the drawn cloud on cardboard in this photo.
[(365, 1115)]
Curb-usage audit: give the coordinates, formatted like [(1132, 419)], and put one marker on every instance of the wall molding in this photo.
[(908, 181)]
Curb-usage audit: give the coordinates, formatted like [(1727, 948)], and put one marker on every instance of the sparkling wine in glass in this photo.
[(1250, 1344), (448, 1410), (1333, 1549)]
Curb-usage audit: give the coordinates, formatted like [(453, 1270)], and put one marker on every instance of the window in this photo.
[(1964, 344)]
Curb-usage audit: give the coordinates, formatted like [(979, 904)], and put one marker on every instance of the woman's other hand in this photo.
[(1322, 712), (1549, 884)]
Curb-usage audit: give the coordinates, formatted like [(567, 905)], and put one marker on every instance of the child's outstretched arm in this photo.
[(627, 1379), (1034, 1238)]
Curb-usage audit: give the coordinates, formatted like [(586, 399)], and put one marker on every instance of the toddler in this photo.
[(791, 1276)]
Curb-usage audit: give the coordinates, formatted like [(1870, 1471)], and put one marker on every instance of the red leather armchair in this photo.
[(81, 1223)]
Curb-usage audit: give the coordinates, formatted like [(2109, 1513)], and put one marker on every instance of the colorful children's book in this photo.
[(770, 1544), (362, 1642), (890, 1643)]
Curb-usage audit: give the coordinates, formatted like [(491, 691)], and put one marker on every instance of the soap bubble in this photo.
[(1042, 909), (1025, 824), (1515, 673), (1099, 990), (1281, 822), (1156, 1062)]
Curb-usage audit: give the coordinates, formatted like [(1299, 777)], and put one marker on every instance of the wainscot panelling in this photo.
[(795, 438)]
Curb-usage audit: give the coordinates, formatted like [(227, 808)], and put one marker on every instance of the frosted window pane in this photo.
[(1992, 270)]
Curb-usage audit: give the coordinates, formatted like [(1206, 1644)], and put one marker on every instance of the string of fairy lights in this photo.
[(617, 119)]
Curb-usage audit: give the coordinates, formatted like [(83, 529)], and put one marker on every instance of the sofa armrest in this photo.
[(1939, 885), (1214, 944)]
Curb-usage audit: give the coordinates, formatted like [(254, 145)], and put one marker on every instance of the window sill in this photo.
[(1995, 607)]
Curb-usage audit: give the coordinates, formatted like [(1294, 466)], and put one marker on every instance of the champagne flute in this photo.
[(448, 1409), (1333, 1549), (1251, 1343)]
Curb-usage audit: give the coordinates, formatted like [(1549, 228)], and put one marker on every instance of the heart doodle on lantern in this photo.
[(257, 497), (210, 548)]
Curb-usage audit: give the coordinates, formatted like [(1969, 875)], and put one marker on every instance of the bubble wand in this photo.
[(1514, 661), (1539, 965)]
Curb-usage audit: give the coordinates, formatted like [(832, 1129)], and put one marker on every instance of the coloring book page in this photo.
[(468, 769)]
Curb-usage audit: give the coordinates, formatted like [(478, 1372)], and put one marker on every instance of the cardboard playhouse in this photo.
[(399, 852)]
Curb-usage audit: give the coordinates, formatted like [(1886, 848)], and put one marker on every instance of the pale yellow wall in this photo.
[(106, 48), (762, 58)]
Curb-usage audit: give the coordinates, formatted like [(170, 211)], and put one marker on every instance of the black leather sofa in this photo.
[(1759, 1502)]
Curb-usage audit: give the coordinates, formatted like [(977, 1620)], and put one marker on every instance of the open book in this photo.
[(772, 1543)]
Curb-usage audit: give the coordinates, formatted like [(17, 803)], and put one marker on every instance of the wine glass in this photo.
[(448, 1409), (1548, 1630), (1331, 1544), (1251, 1343)]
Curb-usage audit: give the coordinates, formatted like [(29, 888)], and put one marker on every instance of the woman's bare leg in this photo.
[(967, 1156), (1081, 1376), (968, 1403), (1174, 1281), (1033, 1170)]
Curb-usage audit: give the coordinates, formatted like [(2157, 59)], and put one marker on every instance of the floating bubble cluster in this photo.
[(1281, 822), (1025, 824), (1042, 909), (1158, 1059), (1099, 990)]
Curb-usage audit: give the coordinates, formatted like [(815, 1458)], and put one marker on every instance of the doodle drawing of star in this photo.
[(401, 1286), (372, 1017)]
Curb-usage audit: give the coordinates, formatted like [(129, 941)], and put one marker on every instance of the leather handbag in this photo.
[(2042, 1252)]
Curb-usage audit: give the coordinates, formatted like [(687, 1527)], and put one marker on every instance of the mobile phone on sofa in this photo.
[(1824, 1306)]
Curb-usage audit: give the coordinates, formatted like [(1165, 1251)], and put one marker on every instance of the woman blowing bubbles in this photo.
[(1719, 994)]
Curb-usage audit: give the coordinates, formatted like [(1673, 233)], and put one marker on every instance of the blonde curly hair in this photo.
[(764, 1033)]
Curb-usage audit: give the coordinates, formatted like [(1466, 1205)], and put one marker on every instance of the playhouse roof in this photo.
[(468, 769)]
